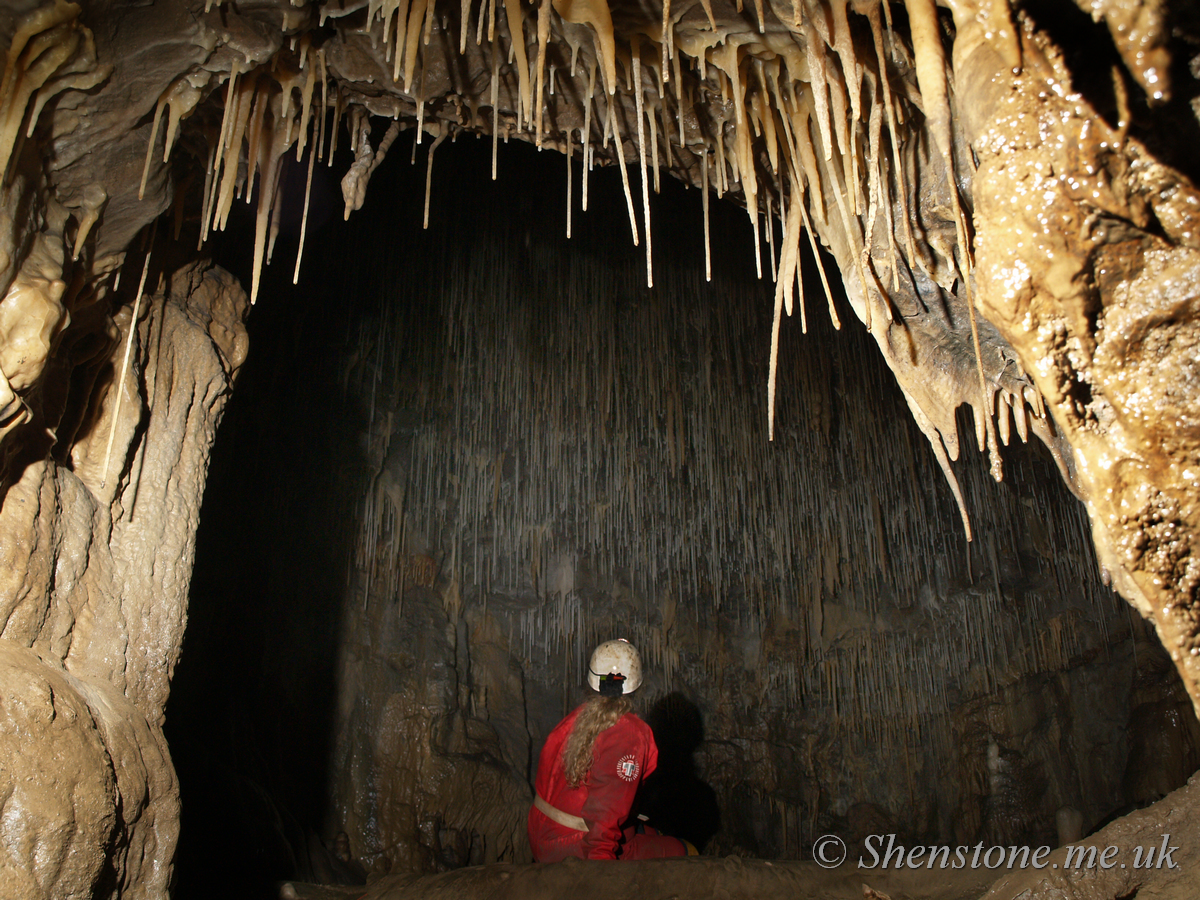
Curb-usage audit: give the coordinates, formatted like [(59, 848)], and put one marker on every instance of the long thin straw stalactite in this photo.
[(116, 415)]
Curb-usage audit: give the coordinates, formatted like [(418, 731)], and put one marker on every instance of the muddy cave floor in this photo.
[(1121, 869)]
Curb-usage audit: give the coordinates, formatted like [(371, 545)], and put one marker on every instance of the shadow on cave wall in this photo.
[(674, 797)]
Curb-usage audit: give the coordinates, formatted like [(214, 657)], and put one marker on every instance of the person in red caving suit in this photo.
[(590, 769)]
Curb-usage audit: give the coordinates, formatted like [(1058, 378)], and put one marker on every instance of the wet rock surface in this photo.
[(95, 587)]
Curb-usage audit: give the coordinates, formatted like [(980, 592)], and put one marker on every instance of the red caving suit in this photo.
[(622, 756)]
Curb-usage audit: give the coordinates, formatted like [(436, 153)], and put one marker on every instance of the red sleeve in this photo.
[(621, 757)]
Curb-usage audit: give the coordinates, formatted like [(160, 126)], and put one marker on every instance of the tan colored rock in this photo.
[(1088, 255), (96, 576), (90, 800)]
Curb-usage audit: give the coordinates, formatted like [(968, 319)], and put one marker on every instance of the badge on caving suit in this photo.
[(628, 768)]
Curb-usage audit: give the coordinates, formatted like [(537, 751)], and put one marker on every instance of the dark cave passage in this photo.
[(404, 556)]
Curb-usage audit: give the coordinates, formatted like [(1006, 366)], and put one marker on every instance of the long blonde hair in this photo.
[(596, 715)]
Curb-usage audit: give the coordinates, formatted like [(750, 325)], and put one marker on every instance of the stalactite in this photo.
[(570, 153), (623, 168), (543, 35), (641, 145), (312, 158), (587, 132), (429, 176), (931, 74), (704, 202), (120, 385), (46, 41), (162, 102), (516, 33), (495, 105)]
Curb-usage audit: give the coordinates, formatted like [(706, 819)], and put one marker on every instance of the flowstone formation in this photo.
[(1007, 192)]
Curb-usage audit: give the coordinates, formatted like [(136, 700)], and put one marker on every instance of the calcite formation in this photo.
[(1007, 191)]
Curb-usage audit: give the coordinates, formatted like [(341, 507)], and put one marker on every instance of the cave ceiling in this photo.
[(1006, 191)]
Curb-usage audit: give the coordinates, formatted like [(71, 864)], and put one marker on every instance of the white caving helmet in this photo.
[(615, 661)]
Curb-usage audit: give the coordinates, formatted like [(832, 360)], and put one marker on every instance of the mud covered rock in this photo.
[(90, 803)]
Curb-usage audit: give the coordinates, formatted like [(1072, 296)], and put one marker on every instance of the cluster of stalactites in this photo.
[(267, 110), (808, 117)]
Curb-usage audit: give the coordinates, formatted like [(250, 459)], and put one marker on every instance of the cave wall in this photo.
[(493, 546)]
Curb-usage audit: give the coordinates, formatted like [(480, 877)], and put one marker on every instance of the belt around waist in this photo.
[(554, 814)]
